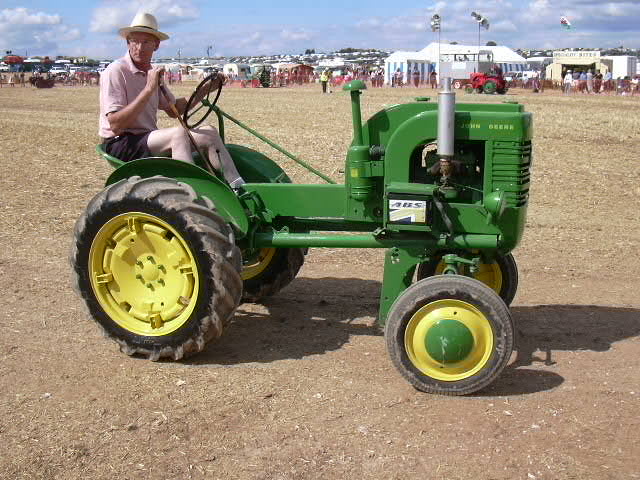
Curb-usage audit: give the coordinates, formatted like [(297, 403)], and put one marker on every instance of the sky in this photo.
[(249, 27)]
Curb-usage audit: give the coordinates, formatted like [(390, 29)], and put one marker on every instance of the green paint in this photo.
[(449, 341)]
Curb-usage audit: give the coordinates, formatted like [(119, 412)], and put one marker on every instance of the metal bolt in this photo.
[(150, 258), (139, 277), (139, 263), (161, 267), (149, 286), (161, 282)]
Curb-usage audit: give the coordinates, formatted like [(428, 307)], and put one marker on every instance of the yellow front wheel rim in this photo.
[(489, 273), (449, 340), (143, 274), (255, 265)]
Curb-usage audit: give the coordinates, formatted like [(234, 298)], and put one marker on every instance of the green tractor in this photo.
[(166, 252)]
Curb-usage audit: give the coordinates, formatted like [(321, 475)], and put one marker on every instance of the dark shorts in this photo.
[(128, 146)]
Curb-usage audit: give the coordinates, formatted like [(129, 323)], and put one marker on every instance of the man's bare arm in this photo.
[(119, 121)]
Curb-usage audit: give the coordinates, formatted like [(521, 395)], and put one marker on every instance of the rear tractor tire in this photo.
[(157, 267), (266, 271), (489, 87), (449, 335), (501, 275)]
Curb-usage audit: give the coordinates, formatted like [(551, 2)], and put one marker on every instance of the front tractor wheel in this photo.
[(157, 267), (266, 271), (449, 335), (501, 275)]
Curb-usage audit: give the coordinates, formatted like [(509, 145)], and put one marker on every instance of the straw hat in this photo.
[(145, 23)]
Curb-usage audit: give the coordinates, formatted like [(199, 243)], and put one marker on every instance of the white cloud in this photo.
[(295, 36), (22, 16), (111, 16), (25, 30)]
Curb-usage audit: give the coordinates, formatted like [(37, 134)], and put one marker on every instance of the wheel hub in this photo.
[(143, 274), (449, 340)]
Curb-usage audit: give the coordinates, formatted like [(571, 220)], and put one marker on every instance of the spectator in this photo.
[(416, 77), (433, 80), (324, 79), (597, 82), (589, 79), (582, 82), (568, 82), (608, 82), (397, 79), (542, 77)]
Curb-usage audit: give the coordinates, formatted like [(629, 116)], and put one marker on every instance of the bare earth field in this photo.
[(302, 387)]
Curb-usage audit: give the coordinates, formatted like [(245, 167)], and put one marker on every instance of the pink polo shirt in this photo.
[(120, 84)]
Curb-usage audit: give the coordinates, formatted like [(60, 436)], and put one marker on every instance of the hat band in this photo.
[(144, 26)]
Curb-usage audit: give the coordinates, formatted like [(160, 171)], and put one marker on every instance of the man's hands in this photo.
[(154, 78)]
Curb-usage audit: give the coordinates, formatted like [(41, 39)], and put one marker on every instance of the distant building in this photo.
[(619, 65)]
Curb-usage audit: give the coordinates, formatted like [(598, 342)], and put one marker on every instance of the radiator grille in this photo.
[(511, 171)]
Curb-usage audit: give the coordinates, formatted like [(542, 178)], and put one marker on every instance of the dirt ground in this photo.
[(302, 387)]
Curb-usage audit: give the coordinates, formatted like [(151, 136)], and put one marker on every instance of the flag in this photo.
[(564, 21)]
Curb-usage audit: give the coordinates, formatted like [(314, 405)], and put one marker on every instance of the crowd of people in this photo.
[(587, 82), (24, 79)]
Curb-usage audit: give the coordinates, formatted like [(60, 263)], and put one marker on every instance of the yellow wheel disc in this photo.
[(256, 264), (449, 340), (489, 273), (143, 274)]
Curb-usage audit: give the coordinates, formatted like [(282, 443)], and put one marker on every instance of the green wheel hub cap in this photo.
[(449, 340), (144, 274)]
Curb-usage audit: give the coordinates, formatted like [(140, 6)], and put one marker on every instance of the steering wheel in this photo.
[(203, 91)]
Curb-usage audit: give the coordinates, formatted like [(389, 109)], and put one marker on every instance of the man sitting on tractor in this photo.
[(130, 98)]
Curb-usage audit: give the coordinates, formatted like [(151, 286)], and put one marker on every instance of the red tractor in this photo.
[(487, 83)]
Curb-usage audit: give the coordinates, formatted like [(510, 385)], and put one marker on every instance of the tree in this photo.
[(453, 43), (491, 43), (310, 51)]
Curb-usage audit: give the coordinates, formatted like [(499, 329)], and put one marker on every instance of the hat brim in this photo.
[(127, 30)]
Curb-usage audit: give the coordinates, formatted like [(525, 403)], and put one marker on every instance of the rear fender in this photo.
[(205, 184)]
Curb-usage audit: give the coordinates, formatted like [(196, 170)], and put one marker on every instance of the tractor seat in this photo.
[(116, 162)]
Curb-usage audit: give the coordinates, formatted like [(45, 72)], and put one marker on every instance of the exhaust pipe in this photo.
[(446, 119)]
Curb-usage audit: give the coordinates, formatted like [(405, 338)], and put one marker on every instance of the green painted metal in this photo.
[(203, 182), (255, 167), (293, 200), (354, 85), (399, 269), (448, 341), (381, 239), (224, 114)]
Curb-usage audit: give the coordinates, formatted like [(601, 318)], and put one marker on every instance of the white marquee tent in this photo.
[(427, 59)]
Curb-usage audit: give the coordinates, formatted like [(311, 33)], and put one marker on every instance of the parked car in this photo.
[(58, 71)]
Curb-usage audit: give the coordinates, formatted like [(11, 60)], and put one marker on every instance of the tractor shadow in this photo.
[(544, 330), (317, 315), (311, 316)]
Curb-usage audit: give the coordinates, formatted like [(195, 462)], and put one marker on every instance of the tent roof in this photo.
[(501, 54), (403, 56)]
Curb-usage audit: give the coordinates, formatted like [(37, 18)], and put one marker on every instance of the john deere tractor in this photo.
[(167, 251)]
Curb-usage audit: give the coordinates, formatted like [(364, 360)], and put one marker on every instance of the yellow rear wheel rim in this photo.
[(257, 263), (489, 273), (144, 274), (428, 319)]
